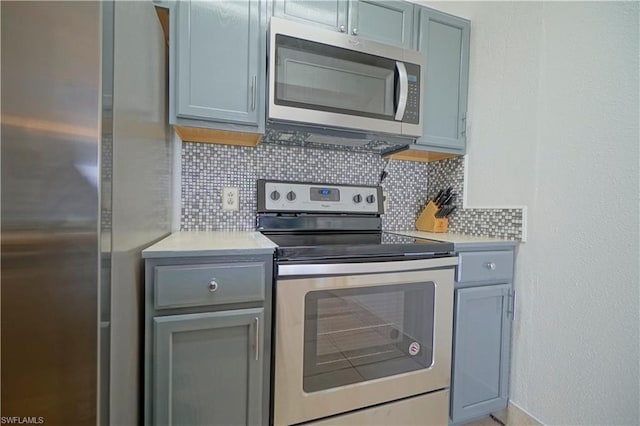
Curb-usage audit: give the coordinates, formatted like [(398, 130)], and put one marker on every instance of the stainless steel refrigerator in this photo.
[(85, 185)]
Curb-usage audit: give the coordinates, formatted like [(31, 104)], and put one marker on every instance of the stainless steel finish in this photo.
[(331, 119), (73, 217), (513, 304), (404, 90), (51, 130), (254, 89), (213, 286), (354, 31), (342, 28), (364, 268), (427, 409), (292, 405), (491, 266), (257, 342), (298, 198)]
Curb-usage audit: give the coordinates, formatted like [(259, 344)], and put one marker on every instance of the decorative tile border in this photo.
[(206, 168), (496, 223)]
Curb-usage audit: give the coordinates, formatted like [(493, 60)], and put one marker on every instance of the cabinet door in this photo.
[(207, 368), (444, 40), (219, 48), (389, 22), (480, 365), (330, 14)]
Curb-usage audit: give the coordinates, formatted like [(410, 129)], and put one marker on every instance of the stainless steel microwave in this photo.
[(321, 78)]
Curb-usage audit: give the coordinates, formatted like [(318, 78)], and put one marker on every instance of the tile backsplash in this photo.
[(207, 168), (505, 223)]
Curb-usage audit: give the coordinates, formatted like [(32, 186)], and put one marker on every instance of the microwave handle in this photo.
[(404, 90)]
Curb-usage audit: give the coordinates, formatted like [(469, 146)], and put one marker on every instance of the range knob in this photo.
[(357, 198), (275, 195), (291, 195), (371, 199)]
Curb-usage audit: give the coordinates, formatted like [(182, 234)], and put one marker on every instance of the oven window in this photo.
[(359, 334)]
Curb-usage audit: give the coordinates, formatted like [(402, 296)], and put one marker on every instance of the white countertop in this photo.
[(210, 243), (460, 240), (217, 243)]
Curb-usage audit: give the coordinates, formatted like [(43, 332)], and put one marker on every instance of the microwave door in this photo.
[(402, 85)]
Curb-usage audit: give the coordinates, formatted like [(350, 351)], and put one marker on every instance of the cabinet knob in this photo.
[(354, 31), (213, 286), (491, 266), (342, 28)]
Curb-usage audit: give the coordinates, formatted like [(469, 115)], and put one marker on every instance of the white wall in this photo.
[(141, 198), (554, 113)]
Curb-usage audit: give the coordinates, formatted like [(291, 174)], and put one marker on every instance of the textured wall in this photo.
[(141, 190), (581, 325), (553, 115)]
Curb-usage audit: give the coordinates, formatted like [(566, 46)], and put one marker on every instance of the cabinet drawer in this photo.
[(179, 286), (485, 266)]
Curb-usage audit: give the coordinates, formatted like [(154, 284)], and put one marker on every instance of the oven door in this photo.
[(354, 335)]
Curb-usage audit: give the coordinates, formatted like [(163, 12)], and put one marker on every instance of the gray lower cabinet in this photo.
[(444, 40), (208, 367), (218, 64), (384, 21), (207, 340), (484, 302)]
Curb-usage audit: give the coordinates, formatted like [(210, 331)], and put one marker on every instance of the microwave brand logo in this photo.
[(17, 420)]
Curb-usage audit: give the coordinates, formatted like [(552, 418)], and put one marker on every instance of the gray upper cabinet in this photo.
[(208, 368), (482, 336), (217, 64), (330, 14), (444, 40), (384, 21)]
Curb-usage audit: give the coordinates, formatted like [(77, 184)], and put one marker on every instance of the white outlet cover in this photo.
[(230, 198)]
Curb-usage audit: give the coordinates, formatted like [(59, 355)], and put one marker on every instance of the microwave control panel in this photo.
[(412, 112)]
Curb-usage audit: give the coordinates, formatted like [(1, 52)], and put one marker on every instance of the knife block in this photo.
[(427, 220)]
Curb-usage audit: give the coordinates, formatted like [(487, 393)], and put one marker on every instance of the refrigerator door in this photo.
[(51, 101)]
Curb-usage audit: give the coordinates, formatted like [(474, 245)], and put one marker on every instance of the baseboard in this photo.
[(515, 416)]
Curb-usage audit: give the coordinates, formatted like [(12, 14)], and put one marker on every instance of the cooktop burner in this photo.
[(327, 222), (298, 246)]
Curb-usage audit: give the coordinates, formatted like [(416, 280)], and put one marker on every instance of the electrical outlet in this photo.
[(230, 198), (385, 197)]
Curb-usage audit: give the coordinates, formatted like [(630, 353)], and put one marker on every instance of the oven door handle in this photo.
[(324, 269)]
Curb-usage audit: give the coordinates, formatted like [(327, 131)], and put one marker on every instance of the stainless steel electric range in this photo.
[(363, 317)]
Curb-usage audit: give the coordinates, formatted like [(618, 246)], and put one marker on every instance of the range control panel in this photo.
[(280, 196)]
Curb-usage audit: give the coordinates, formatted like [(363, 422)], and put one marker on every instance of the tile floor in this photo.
[(510, 416)]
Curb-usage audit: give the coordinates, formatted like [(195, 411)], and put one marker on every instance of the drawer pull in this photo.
[(213, 286), (491, 266)]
